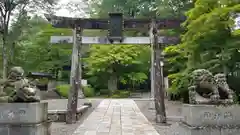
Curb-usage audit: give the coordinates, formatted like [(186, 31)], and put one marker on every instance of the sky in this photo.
[(237, 22), (61, 12), (65, 12)]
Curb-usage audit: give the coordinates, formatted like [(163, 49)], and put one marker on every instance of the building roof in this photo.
[(39, 75)]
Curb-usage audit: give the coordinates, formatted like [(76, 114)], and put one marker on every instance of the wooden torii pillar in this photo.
[(157, 88), (75, 78), (157, 74)]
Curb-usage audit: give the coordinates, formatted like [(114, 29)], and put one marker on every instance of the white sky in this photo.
[(65, 12), (237, 23)]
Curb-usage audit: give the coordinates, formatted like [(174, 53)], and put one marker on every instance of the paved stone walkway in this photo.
[(116, 117)]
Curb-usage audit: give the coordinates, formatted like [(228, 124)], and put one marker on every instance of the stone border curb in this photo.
[(60, 115)]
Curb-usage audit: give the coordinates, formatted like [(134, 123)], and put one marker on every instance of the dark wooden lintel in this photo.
[(95, 23)]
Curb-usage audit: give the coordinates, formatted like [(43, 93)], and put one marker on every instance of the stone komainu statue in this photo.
[(18, 88), (208, 89)]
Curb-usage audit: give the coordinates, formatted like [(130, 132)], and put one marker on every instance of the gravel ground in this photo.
[(173, 109), (68, 129)]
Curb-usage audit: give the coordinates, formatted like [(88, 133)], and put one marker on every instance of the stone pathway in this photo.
[(116, 117)]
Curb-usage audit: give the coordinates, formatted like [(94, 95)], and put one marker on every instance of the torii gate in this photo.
[(115, 24)]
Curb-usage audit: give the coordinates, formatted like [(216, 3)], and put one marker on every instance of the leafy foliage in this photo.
[(212, 37), (208, 41), (128, 62), (175, 58), (19, 8), (34, 51)]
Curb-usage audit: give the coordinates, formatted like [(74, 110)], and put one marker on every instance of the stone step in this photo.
[(136, 95), (174, 118)]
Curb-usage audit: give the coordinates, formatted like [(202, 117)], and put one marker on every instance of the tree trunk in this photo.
[(11, 61), (4, 56), (5, 24), (112, 82), (225, 69)]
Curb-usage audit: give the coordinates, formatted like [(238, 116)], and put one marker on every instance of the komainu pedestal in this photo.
[(208, 120), (24, 119), (211, 109)]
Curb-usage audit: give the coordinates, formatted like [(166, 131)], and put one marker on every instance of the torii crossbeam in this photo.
[(98, 23), (167, 40)]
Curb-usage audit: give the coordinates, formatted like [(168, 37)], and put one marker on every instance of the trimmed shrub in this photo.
[(120, 94), (115, 93), (105, 92), (116, 96), (63, 90), (179, 86), (88, 91)]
